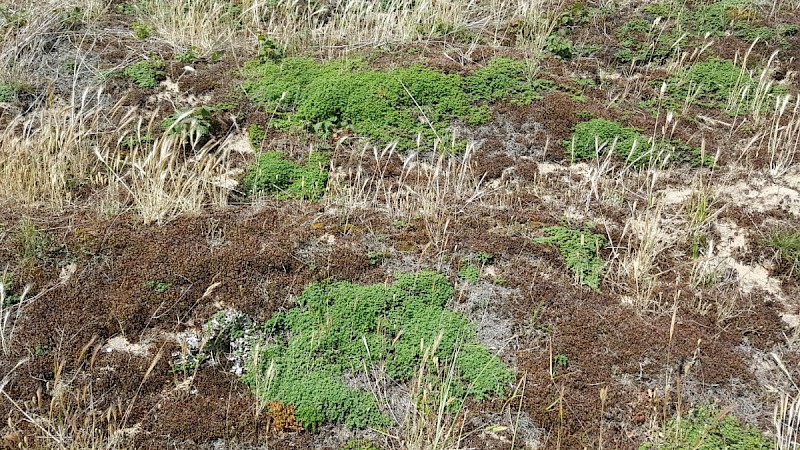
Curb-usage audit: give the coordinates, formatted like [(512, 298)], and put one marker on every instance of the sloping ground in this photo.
[(129, 217)]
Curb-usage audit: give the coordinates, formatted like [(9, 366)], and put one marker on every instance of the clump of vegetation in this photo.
[(12, 17), (188, 56), (142, 30), (71, 19), (581, 251), (708, 429), (35, 243), (470, 272), (8, 295), (596, 137), (158, 286), (642, 42), (601, 134), (338, 329), (147, 73), (193, 126), (274, 174), (709, 83), (673, 25), (787, 243), (255, 134), (405, 105), (8, 92), (504, 78)]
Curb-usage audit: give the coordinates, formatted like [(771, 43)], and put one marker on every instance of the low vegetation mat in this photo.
[(340, 331)]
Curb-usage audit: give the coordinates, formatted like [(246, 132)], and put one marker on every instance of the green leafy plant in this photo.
[(600, 134), (255, 134), (560, 45), (708, 83), (787, 243), (274, 174), (188, 364), (398, 105), (158, 286), (146, 73), (581, 250), (360, 444), (470, 273), (8, 92), (188, 56), (71, 19), (484, 258), (339, 328), (268, 49), (629, 143), (9, 297), (13, 17), (192, 126), (34, 242), (376, 257), (142, 30), (504, 78), (706, 428)]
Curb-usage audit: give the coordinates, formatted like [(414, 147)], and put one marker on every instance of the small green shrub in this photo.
[(360, 444), (504, 78), (274, 174), (147, 73), (642, 42), (35, 243), (581, 250), (708, 429), (188, 56), (142, 30), (192, 126), (339, 328), (71, 19), (560, 45), (787, 243)]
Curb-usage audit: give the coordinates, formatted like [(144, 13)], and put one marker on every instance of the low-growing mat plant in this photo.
[(274, 174), (410, 105), (581, 252), (597, 137), (717, 83), (147, 73), (340, 330), (708, 428)]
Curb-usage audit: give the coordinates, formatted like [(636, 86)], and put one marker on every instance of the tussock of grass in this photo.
[(787, 243), (342, 328)]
